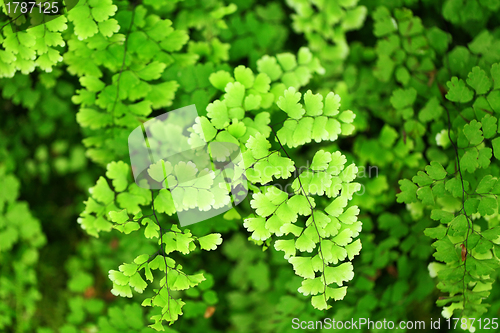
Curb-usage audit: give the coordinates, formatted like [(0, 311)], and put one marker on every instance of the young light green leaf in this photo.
[(210, 242), (289, 103), (479, 81)]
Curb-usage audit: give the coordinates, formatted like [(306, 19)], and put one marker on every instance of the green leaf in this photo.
[(436, 233), (340, 274), (496, 147), (384, 23), (256, 225), (259, 146), (304, 243), (269, 66), (245, 76), (313, 103), (489, 126), (118, 278), (343, 238), (353, 249), (128, 269), (109, 27), (332, 104), (183, 241), (118, 172), (319, 302), (289, 103), (469, 160), (302, 133), (473, 132), (402, 98), (162, 94), (486, 184), (319, 132), (252, 102), (121, 290), (217, 112), (164, 203), (491, 234), (438, 39), (495, 75), (287, 61), (471, 205), (205, 128), (321, 160), (262, 83), (479, 81), (337, 206), (274, 224), (435, 170), (210, 242), (141, 259), (441, 215), (481, 42), (287, 212), (301, 204), (408, 192), (403, 75), (137, 283), (425, 195), (302, 267), (458, 92), (287, 246), (445, 250), (152, 229), (102, 10), (431, 111), (485, 266), (235, 93), (128, 227), (350, 215), (484, 157), (460, 224), (85, 26), (483, 246), (311, 286), (422, 179), (93, 119), (210, 297), (220, 79), (336, 293), (102, 192), (275, 195), (152, 71), (487, 206), (354, 18), (384, 68), (141, 109), (119, 217), (347, 117), (80, 282)]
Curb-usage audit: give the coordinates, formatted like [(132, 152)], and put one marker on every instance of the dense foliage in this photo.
[(370, 147)]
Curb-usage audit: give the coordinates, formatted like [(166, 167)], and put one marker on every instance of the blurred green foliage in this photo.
[(421, 77)]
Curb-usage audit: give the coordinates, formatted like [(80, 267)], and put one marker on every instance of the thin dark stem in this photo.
[(469, 221), (320, 252), (121, 69), (162, 250)]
